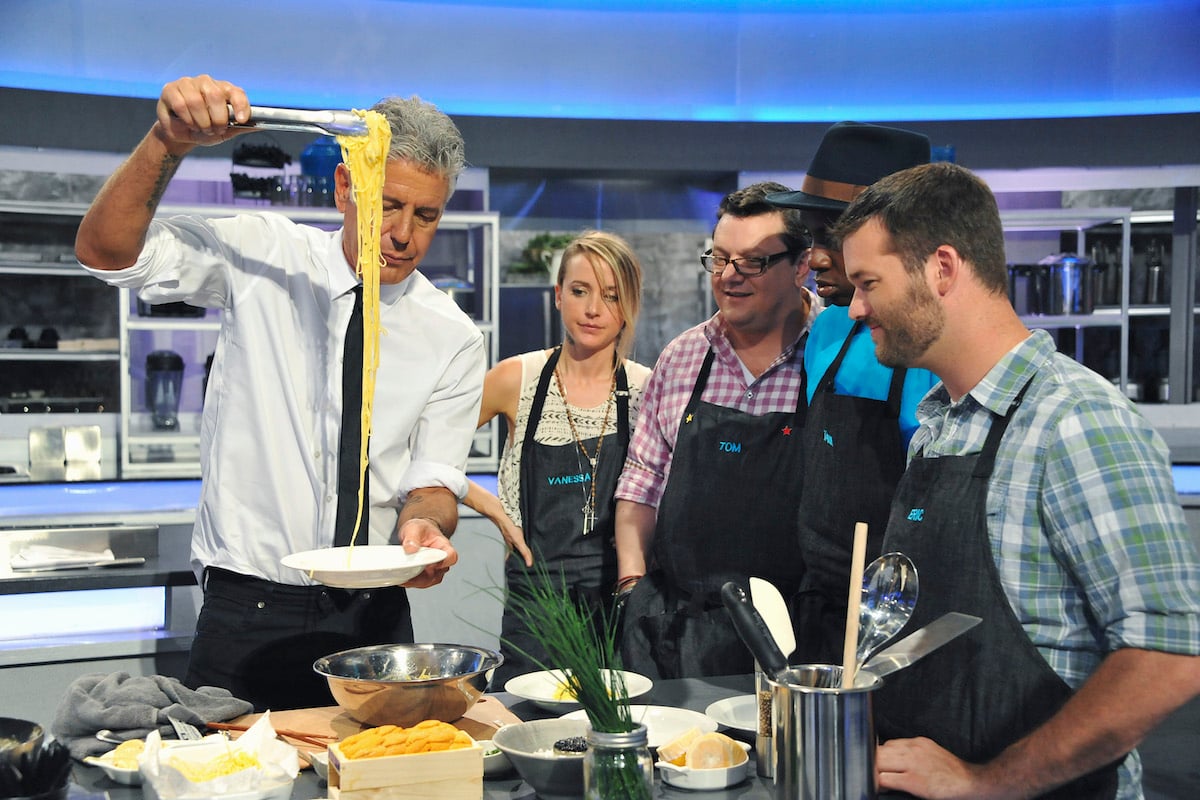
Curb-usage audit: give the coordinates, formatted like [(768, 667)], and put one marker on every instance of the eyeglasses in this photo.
[(748, 267)]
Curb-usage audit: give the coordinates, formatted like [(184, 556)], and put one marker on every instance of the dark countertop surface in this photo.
[(1169, 753)]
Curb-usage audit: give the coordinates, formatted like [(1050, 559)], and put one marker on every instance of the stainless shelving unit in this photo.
[(1080, 220)]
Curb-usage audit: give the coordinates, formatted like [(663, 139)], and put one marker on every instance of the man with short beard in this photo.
[(1037, 498)]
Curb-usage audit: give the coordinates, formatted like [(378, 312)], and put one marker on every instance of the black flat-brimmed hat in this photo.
[(852, 156)]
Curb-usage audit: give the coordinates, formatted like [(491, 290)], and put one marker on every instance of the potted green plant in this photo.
[(538, 258)]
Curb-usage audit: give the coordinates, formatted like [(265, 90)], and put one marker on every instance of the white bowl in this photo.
[(363, 566), (319, 759), (530, 748), (663, 723), (495, 763), (540, 688), (719, 778), (128, 777)]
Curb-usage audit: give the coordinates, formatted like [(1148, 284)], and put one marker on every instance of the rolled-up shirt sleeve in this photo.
[(441, 440), (648, 461)]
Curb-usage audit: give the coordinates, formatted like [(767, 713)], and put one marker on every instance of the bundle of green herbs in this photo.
[(580, 642)]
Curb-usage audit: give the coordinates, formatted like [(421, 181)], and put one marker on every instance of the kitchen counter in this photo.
[(1168, 754)]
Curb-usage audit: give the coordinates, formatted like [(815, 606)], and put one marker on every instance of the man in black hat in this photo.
[(861, 414)]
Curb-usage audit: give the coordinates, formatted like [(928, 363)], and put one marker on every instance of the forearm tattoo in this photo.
[(170, 165)]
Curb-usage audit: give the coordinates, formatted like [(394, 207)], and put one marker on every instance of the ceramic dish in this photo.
[(663, 723), (739, 713), (495, 763), (720, 778), (363, 566), (540, 688), (128, 777), (319, 759), (123, 775), (530, 748)]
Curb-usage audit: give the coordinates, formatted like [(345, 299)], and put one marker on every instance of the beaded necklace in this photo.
[(589, 504)]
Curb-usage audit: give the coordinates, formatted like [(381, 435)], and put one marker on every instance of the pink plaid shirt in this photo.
[(648, 462)]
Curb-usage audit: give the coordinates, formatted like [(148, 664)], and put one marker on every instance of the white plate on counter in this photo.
[(363, 566), (663, 723), (544, 689), (739, 713)]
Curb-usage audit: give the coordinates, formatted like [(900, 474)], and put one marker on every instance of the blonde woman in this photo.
[(558, 473)]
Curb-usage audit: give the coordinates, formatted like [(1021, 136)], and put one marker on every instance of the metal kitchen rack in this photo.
[(1080, 220)]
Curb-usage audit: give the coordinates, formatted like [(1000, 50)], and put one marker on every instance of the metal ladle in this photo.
[(889, 595)]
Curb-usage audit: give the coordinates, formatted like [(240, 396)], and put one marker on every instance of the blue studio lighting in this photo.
[(686, 60)]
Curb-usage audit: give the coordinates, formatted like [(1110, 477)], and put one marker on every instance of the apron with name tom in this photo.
[(853, 459), (728, 512), (555, 492), (989, 687)]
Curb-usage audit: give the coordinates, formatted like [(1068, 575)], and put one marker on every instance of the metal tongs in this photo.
[(332, 123)]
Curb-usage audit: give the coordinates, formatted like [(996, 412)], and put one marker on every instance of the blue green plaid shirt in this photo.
[(1087, 531)]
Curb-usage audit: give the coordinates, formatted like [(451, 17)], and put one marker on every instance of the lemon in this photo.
[(713, 751), (675, 751)]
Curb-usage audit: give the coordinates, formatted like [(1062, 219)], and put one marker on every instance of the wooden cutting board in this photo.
[(481, 721)]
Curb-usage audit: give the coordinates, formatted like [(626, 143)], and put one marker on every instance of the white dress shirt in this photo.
[(272, 416)]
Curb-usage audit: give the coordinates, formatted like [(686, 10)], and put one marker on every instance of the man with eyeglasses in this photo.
[(861, 413), (711, 482)]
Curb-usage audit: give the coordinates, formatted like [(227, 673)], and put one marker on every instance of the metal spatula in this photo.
[(920, 643)]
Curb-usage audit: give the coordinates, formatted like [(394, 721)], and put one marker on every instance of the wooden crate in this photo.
[(444, 775)]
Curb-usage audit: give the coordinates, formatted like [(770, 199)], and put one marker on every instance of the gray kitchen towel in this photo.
[(131, 707)]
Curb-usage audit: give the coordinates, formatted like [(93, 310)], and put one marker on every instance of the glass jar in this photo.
[(617, 766)]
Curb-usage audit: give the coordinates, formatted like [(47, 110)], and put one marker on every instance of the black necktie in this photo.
[(350, 469)]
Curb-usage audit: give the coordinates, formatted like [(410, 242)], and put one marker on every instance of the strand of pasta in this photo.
[(366, 158)]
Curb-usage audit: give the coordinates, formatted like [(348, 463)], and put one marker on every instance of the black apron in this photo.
[(728, 512), (853, 457), (556, 482), (991, 686)]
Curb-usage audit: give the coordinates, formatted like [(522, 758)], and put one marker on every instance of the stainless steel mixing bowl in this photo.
[(403, 684)]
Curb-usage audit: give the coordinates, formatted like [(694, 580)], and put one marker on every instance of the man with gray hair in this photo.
[(279, 437)]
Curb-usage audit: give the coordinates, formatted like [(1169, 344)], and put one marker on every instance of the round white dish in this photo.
[(663, 723), (127, 777), (495, 763), (319, 759), (540, 688), (363, 566), (739, 713), (688, 778)]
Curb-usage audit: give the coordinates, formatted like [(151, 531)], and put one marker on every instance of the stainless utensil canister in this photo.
[(824, 734)]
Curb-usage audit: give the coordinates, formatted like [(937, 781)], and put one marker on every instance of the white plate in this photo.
[(540, 687), (363, 566), (739, 713), (663, 723)]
